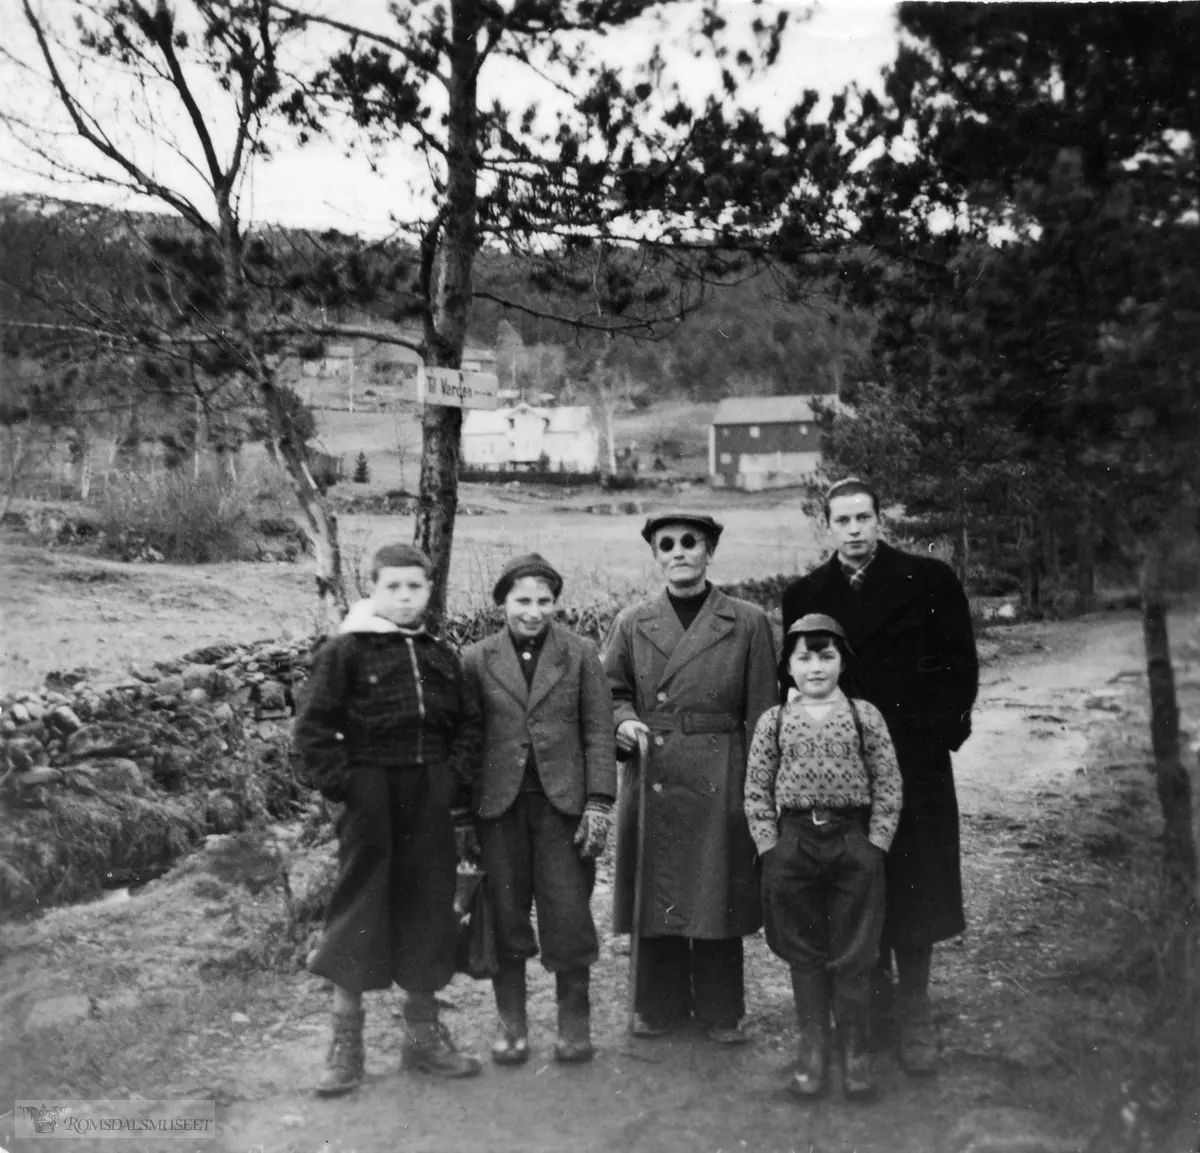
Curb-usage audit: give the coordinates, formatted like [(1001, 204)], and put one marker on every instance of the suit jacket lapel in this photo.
[(505, 666), (715, 620), (658, 623), (552, 664)]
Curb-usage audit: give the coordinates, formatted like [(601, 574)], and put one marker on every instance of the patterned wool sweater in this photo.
[(822, 767)]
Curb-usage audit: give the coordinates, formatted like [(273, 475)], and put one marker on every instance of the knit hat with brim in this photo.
[(531, 564), (711, 528)]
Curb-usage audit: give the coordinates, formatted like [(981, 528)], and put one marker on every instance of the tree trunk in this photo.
[(1173, 783), (610, 435), (320, 523), (83, 463), (1031, 568), (450, 303), (437, 499), (1049, 547), (1085, 561), (962, 546)]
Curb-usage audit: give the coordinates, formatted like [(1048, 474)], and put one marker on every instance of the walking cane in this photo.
[(643, 767)]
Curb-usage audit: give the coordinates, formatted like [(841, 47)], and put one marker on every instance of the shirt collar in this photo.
[(530, 644), (857, 574)]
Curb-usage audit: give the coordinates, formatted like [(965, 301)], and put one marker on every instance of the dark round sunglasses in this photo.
[(667, 543)]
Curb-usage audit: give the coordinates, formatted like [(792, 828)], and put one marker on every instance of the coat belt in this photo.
[(695, 722)]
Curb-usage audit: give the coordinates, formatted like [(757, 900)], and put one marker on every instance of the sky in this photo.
[(332, 184)]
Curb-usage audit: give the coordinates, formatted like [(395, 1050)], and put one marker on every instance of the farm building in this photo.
[(758, 442), (518, 438)]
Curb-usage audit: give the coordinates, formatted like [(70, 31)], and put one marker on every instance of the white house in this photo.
[(518, 438)]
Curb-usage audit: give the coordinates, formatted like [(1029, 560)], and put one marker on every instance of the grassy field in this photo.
[(65, 610), (62, 610)]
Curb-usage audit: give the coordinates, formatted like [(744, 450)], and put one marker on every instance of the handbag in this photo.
[(475, 949)]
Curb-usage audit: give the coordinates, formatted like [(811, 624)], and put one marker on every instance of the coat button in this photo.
[(661, 697), (373, 679), (657, 787), (658, 741)]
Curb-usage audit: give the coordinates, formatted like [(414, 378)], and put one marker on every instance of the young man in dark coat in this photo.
[(386, 730), (907, 619)]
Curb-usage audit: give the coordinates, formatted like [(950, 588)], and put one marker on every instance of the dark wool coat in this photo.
[(565, 717), (385, 728), (910, 628), (701, 693)]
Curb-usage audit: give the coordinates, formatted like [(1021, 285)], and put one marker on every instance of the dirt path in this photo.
[(1024, 773)]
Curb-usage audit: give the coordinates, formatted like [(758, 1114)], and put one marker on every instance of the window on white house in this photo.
[(755, 432)]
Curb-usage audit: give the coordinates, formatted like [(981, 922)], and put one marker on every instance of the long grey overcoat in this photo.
[(701, 693)]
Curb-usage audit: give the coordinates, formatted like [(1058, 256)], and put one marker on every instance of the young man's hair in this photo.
[(851, 486), (400, 556)]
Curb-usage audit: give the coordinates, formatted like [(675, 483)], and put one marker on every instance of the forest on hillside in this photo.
[(748, 338)]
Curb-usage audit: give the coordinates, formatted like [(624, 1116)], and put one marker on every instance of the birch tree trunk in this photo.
[(320, 523)]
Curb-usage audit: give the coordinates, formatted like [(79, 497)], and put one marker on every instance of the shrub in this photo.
[(362, 470), (175, 516), (526, 476)]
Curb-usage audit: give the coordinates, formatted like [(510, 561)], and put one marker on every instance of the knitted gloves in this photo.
[(592, 833)]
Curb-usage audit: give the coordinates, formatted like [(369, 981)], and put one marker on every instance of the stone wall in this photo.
[(104, 785)]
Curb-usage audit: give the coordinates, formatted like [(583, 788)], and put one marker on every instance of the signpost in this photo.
[(454, 388)]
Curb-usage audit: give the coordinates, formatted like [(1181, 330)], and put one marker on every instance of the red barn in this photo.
[(758, 442)]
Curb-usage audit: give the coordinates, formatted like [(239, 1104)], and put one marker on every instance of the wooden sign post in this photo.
[(454, 388)]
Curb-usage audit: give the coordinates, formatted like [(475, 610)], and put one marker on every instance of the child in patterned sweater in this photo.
[(823, 798)]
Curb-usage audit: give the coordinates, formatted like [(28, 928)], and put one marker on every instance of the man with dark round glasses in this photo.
[(692, 669)]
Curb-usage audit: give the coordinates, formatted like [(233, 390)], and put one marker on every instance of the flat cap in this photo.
[(704, 523), (531, 564)]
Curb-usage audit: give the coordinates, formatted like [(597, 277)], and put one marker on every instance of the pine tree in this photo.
[(362, 470)]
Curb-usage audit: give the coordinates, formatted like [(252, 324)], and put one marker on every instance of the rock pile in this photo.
[(103, 785)]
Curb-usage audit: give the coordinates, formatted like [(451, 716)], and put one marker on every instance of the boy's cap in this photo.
[(531, 564), (704, 523), (817, 623), (401, 556)]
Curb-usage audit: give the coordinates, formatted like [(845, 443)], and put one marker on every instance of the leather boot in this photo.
[(429, 1048), (344, 1061), (854, 1041), (883, 1009), (574, 1042), (918, 1046), (810, 989), (511, 1046)]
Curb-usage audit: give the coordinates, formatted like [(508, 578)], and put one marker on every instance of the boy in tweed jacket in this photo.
[(823, 797)]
